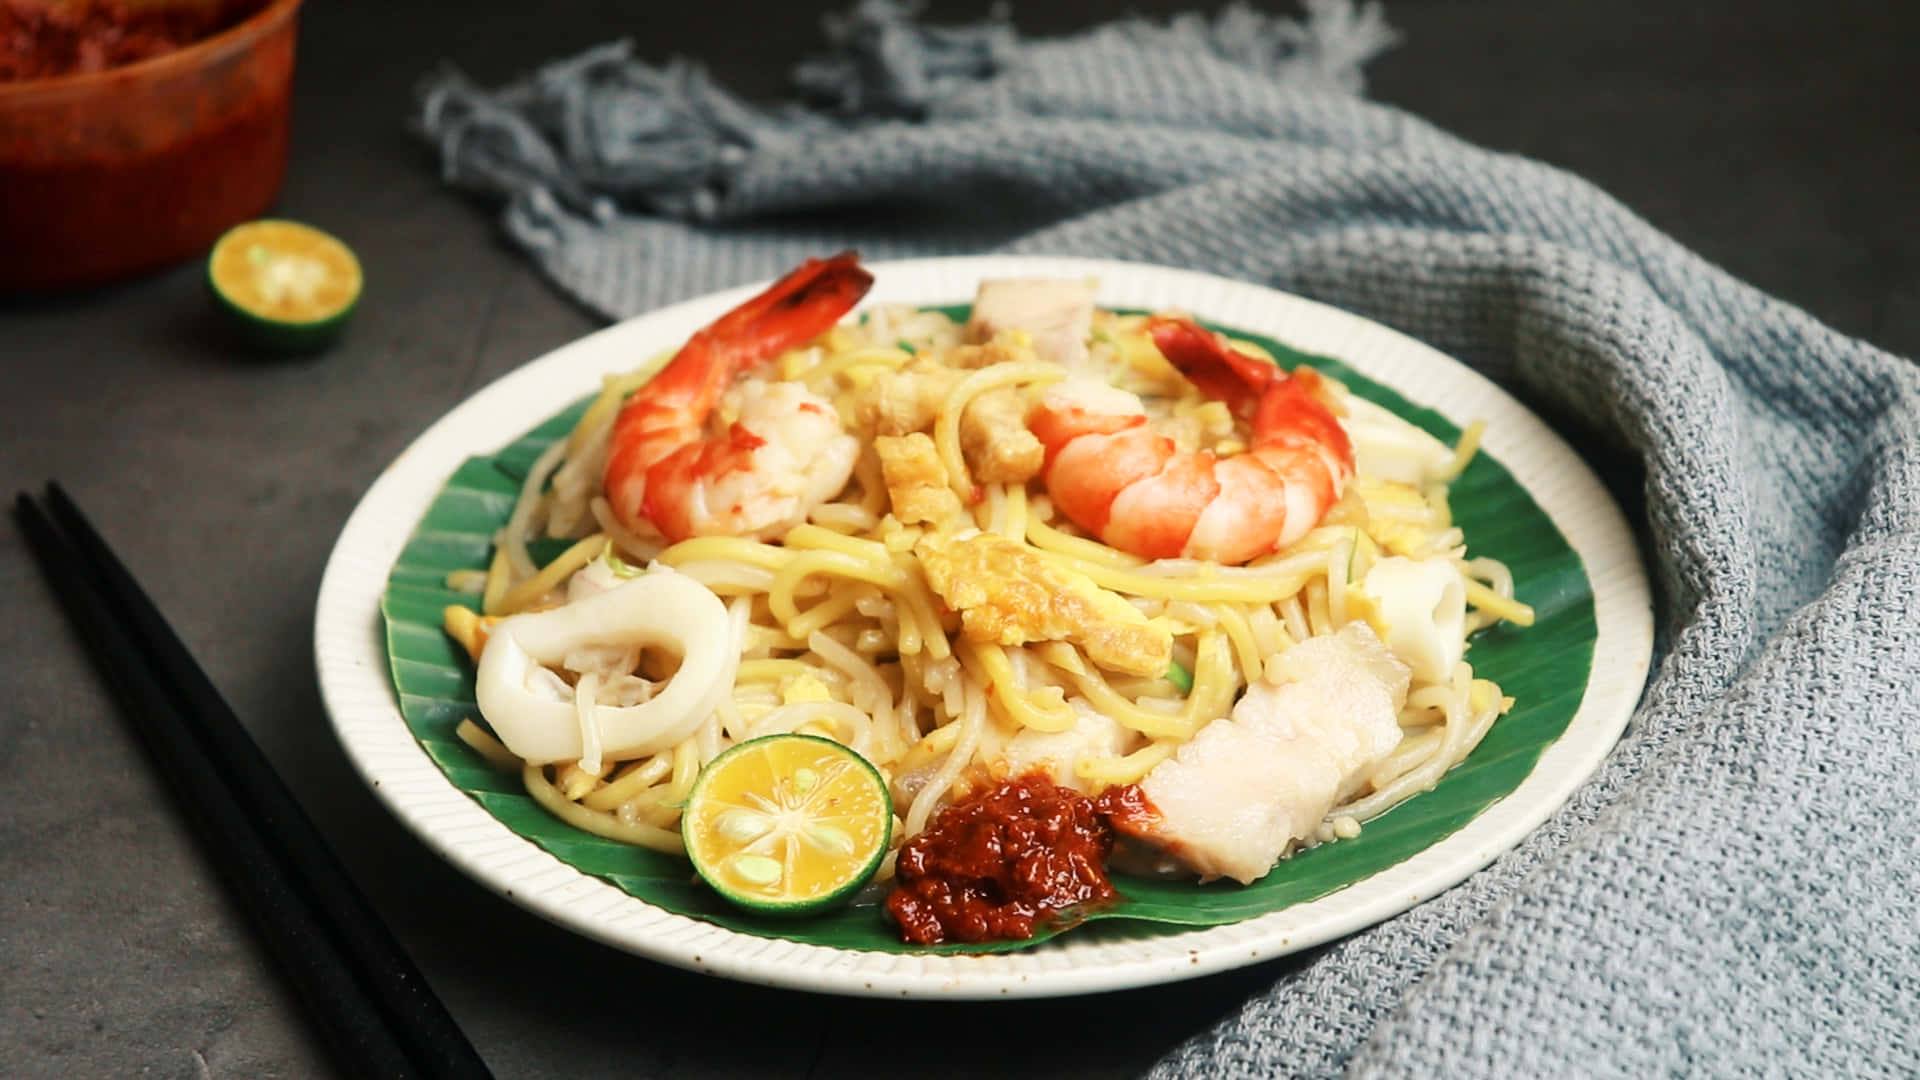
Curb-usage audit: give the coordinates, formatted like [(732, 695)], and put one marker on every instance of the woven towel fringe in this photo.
[(883, 62), (601, 132), (1331, 48)]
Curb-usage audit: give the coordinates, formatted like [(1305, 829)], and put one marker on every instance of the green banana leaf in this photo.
[(1543, 667)]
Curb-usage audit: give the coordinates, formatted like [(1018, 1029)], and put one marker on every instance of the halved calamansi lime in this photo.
[(787, 824), (288, 285)]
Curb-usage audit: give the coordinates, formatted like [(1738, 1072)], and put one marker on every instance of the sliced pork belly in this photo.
[(1057, 754), (1056, 313), (1233, 799)]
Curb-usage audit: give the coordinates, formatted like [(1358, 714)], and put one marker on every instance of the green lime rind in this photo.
[(281, 335), (840, 896), (276, 336), (1543, 667)]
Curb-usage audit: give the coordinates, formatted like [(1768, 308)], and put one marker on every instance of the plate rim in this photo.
[(363, 708)]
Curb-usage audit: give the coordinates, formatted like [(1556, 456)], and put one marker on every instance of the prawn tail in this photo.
[(1238, 380), (656, 457), (1283, 408), (1292, 412), (804, 304)]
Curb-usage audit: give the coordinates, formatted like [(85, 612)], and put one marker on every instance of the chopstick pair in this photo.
[(368, 999)]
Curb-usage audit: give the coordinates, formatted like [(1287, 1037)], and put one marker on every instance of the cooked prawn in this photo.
[(785, 453), (1112, 474)]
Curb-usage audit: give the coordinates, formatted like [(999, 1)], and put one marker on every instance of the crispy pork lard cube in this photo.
[(916, 479), (994, 439), (905, 401)]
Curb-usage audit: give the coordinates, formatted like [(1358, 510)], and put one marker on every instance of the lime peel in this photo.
[(285, 285), (788, 824)]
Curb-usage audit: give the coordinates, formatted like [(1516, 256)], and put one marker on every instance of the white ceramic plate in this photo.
[(359, 694)]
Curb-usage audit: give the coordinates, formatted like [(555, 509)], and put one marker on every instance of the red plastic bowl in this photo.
[(108, 174)]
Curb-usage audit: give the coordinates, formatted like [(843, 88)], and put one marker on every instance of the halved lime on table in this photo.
[(788, 824), (287, 285)]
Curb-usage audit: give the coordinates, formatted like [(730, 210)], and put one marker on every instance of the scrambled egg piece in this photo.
[(916, 479), (802, 688), (1397, 517), (1011, 594)]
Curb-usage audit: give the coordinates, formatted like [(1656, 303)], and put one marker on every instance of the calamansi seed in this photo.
[(804, 779), (831, 839), (741, 825), (755, 869)]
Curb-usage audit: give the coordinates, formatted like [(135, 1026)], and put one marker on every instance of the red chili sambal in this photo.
[(136, 166), (990, 868), (43, 40)]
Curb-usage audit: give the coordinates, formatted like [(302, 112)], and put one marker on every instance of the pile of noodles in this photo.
[(840, 634)]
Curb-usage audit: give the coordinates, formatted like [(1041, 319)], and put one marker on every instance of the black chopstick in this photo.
[(367, 997)]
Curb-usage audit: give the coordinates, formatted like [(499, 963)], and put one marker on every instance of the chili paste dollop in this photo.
[(992, 867), (41, 40)]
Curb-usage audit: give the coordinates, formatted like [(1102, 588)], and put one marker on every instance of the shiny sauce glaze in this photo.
[(133, 171), (45, 41), (39, 40), (994, 867)]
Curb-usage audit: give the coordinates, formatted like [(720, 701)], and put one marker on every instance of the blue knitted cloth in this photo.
[(1734, 892)]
